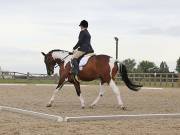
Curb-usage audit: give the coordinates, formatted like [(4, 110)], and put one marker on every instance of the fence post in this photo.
[(14, 75), (3, 75), (155, 74), (166, 80), (172, 80), (149, 79), (27, 75), (179, 80), (160, 79), (0, 74)]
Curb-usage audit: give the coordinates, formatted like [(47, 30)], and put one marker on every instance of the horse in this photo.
[(102, 67)]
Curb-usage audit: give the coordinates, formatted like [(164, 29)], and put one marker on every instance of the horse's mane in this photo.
[(56, 50)]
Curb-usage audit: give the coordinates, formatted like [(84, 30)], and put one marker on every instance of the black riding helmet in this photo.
[(84, 23)]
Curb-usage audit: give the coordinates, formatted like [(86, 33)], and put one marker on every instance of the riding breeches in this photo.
[(77, 54)]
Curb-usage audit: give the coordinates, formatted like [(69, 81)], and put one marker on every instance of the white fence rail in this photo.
[(156, 79), (150, 79), (18, 75)]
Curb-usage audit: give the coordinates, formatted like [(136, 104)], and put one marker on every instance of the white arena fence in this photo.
[(28, 76), (147, 79)]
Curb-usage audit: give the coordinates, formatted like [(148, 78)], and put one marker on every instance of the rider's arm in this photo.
[(80, 41)]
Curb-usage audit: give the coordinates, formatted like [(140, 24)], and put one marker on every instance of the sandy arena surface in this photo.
[(35, 98)]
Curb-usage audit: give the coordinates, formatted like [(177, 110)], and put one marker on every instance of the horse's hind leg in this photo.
[(101, 92), (78, 91), (117, 92)]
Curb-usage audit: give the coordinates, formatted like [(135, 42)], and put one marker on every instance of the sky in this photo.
[(147, 30)]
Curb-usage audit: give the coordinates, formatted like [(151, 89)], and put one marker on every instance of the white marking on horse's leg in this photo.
[(117, 92), (82, 101), (101, 92), (111, 65), (52, 98)]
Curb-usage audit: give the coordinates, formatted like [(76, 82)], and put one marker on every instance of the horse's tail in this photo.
[(124, 75)]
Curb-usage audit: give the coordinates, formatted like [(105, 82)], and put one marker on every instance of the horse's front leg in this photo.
[(60, 85), (78, 91)]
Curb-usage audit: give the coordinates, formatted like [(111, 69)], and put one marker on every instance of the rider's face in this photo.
[(82, 28)]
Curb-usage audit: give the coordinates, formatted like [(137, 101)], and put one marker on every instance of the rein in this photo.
[(56, 66)]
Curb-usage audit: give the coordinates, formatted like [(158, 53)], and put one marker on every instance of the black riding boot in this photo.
[(75, 67)]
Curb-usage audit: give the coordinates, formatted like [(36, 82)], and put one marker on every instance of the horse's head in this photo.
[(54, 57), (49, 62)]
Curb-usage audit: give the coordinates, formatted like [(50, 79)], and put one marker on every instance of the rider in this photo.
[(82, 47)]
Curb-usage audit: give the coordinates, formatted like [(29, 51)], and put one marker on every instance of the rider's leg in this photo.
[(75, 68), (76, 55)]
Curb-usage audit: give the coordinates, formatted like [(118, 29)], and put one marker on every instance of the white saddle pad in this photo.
[(84, 61)]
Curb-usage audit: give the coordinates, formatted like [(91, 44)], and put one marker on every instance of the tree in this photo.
[(130, 64), (163, 68), (178, 65), (146, 66)]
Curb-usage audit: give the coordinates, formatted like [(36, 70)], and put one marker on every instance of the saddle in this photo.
[(78, 64), (83, 61), (88, 54), (85, 55)]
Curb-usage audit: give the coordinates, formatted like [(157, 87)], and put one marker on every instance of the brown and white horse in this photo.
[(100, 67)]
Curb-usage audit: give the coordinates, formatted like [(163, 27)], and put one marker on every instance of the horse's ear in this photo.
[(43, 53)]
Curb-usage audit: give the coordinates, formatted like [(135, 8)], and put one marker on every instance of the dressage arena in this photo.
[(34, 98)]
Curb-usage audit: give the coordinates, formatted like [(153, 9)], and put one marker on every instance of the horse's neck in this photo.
[(61, 56)]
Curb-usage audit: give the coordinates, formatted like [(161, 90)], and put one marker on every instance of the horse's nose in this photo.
[(51, 72)]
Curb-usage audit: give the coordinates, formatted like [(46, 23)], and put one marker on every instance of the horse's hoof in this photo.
[(123, 108), (83, 107), (92, 106), (48, 105)]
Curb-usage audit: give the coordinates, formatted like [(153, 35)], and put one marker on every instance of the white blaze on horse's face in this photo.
[(49, 68), (49, 63)]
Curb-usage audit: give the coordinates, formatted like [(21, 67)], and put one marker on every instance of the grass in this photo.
[(27, 81)]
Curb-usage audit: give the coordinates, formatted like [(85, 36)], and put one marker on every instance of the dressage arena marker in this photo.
[(32, 113), (121, 117), (13, 84), (151, 88), (57, 118)]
